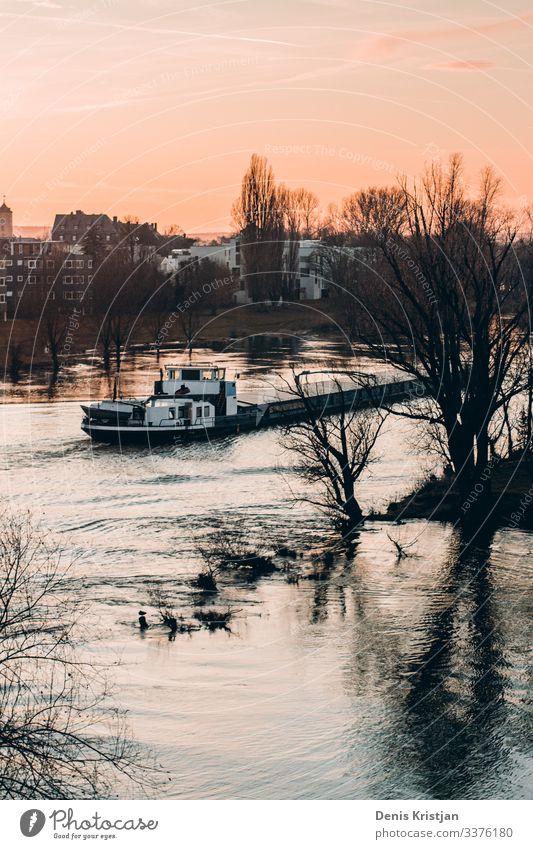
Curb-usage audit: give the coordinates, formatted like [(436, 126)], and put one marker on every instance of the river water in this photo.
[(372, 678)]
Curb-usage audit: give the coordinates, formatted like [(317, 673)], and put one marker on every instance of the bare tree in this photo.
[(258, 217), (116, 302), (130, 238), (105, 339), (298, 209), (159, 306), (59, 736), (341, 268), (54, 324), (201, 287), (333, 451), (447, 305)]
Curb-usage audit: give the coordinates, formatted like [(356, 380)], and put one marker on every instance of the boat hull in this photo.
[(254, 417), (147, 436)]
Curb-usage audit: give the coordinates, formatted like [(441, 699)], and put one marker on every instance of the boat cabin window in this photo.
[(172, 412), (196, 373), (198, 412), (181, 412), (190, 374), (206, 411)]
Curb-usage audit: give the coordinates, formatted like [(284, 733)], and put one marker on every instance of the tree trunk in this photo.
[(353, 511), (106, 356)]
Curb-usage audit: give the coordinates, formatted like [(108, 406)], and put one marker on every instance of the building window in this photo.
[(69, 263), (20, 278), (32, 278), (89, 263), (32, 263), (2, 263), (79, 263), (67, 279), (2, 298)]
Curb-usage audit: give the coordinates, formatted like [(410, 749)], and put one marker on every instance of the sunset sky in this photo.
[(153, 107)]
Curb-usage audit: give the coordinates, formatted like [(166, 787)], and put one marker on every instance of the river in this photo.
[(377, 678)]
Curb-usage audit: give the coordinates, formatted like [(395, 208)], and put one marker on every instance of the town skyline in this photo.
[(115, 109)]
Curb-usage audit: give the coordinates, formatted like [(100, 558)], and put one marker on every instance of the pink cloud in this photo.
[(461, 65), (384, 45)]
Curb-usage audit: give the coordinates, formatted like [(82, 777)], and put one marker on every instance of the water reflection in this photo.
[(86, 377), (455, 706), (434, 668)]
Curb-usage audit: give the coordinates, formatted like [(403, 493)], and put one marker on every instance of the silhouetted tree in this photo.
[(333, 451), (201, 286), (446, 304), (258, 217), (59, 736)]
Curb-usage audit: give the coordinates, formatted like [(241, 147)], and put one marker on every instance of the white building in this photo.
[(305, 281), (226, 254), (310, 284), (308, 281)]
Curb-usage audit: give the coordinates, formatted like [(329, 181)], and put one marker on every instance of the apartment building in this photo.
[(32, 270)]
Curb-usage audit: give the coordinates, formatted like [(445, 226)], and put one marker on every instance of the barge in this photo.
[(199, 402)]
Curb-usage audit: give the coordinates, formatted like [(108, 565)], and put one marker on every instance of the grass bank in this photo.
[(437, 498)]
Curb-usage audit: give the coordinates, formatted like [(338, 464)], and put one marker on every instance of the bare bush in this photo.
[(60, 736), (228, 549)]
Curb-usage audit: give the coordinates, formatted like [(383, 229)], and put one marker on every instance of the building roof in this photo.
[(79, 223), (144, 234), (4, 207)]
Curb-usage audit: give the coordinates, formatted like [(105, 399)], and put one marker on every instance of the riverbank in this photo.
[(28, 338), (438, 499)]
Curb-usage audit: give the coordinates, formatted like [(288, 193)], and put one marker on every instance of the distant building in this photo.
[(310, 283), (32, 270), (306, 280), (6, 221), (74, 227), (97, 231), (227, 254)]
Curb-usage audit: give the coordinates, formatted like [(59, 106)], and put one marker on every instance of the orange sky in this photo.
[(153, 107)]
